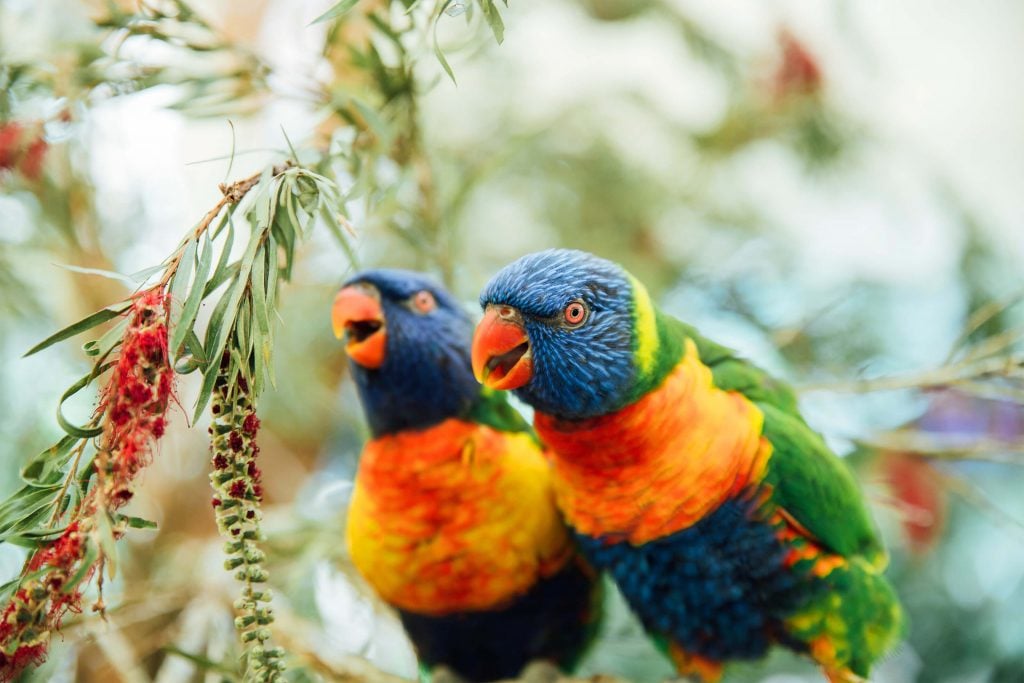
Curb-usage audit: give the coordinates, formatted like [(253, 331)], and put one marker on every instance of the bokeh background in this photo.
[(834, 188)]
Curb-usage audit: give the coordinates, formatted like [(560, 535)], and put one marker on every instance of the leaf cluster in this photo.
[(279, 207)]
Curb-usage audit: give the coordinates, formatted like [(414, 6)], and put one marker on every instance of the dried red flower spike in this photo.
[(133, 405), (251, 425)]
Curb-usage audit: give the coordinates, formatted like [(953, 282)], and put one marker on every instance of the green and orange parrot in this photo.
[(453, 518), (687, 473)]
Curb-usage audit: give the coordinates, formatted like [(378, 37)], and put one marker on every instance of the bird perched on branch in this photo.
[(453, 519), (687, 473)]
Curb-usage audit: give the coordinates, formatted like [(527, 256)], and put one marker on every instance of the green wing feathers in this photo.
[(732, 373), (817, 489), (809, 481)]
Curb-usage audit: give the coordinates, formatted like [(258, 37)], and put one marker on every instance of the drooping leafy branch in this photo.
[(66, 512)]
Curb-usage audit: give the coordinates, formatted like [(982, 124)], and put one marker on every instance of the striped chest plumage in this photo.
[(667, 496), (455, 517)]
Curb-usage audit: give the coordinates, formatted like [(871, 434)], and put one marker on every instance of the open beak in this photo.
[(358, 317), (501, 349)]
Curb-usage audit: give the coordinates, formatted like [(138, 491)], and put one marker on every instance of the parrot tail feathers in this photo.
[(852, 623), (694, 666)]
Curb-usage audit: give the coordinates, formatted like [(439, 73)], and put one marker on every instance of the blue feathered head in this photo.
[(408, 344), (559, 328)]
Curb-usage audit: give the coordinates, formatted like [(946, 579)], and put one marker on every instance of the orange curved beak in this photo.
[(501, 350), (358, 317)]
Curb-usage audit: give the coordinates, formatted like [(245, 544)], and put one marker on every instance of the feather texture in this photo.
[(452, 519), (691, 477)]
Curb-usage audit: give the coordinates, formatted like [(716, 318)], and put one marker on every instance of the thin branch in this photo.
[(939, 377), (233, 194), (926, 445)]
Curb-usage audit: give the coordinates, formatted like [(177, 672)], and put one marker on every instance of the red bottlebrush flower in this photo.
[(31, 165), (216, 502), (251, 425), (10, 136), (798, 72), (237, 489), (922, 498), (235, 441), (133, 403), (22, 149), (139, 391), (25, 655), (220, 462)]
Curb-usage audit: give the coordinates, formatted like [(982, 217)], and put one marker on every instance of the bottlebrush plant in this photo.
[(67, 512)]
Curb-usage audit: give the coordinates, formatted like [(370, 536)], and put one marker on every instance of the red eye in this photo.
[(575, 313), (424, 301)]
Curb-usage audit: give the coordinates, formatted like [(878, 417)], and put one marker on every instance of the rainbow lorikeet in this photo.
[(453, 519), (687, 473)]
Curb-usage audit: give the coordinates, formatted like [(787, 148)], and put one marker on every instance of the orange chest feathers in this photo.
[(455, 517), (661, 464)]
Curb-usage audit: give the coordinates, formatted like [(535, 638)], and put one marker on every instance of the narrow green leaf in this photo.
[(295, 155), (222, 277), (27, 508), (438, 52), (343, 7), (241, 366), (74, 430), (493, 18), (224, 220), (215, 325), (194, 299), (186, 365), (205, 390), (195, 347), (293, 217), (258, 359), (259, 293), (92, 553), (99, 317), (105, 344), (53, 459), (144, 274), (242, 323), (222, 330), (179, 285), (222, 262), (268, 339), (271, 267), (109, 274), (15, 505), (138, 522), (262, 212)]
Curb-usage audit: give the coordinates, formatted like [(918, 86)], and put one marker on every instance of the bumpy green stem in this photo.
[(236, 481)]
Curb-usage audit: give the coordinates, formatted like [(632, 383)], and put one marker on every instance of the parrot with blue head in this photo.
[(452, 519), (687, 473)]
